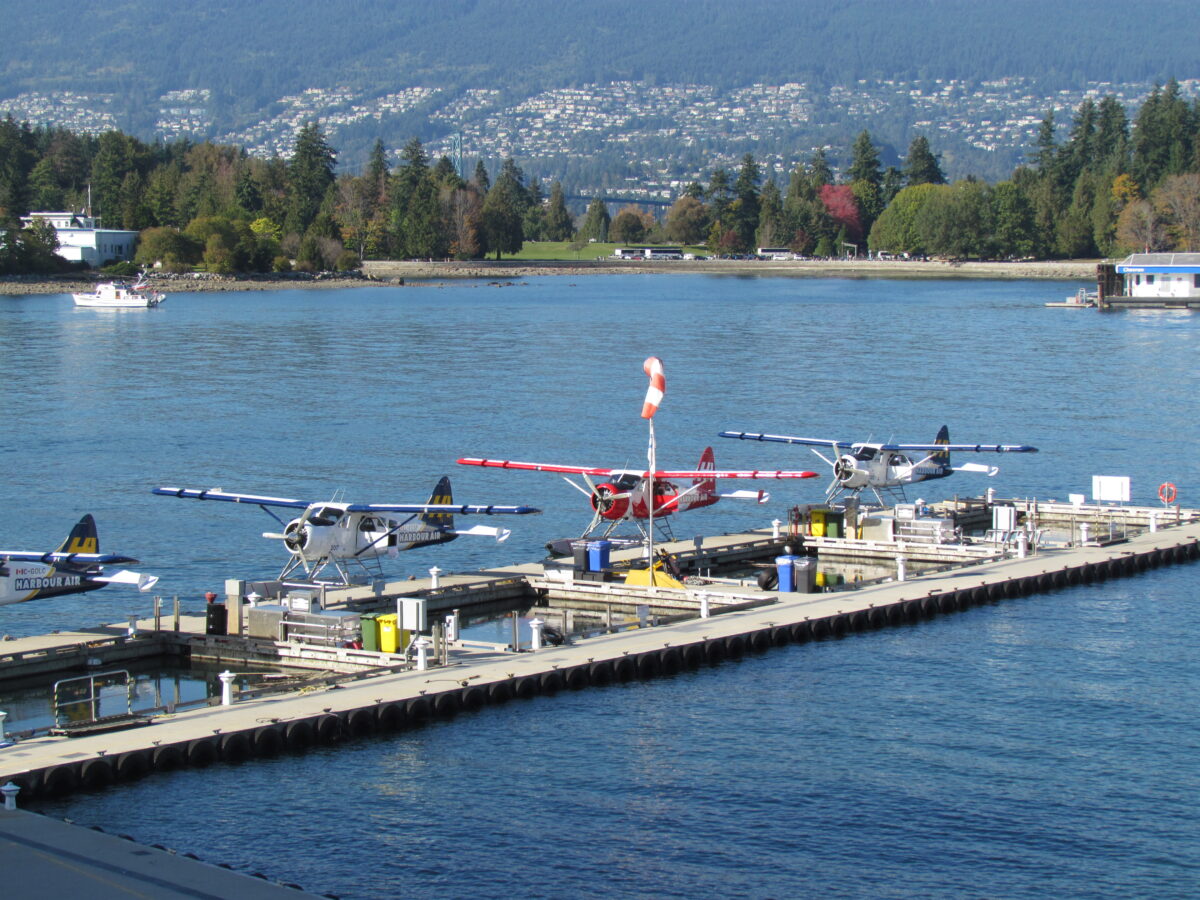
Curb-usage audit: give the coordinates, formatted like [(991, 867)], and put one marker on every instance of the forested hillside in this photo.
[(251, 54), (1111, 187)]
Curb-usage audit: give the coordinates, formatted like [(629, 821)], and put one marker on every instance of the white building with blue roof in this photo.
[(1161, 275)]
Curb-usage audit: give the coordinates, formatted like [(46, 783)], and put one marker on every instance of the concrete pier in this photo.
[(43, 857), (390, 698)]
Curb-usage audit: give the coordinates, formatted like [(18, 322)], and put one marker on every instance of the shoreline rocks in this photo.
[(382, 273)]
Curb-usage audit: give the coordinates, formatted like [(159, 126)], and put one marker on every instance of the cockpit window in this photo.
[(326, 515), (626, 482)]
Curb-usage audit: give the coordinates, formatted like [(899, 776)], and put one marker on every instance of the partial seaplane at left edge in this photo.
[(75, 567), (343, 535)]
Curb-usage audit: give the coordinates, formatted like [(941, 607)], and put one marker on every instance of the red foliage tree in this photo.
[(843, 209)]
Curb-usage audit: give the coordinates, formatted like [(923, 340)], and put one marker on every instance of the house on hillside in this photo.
[(81, 240)]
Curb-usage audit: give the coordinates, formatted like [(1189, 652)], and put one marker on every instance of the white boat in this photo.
[(119, 295), (1081, 299)]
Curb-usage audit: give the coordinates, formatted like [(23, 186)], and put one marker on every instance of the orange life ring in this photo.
[(1167, 492)]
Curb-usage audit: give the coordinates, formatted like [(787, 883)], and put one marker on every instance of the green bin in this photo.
[(370, 631), (835, 525)]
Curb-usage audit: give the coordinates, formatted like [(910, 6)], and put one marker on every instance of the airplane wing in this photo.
[(536, 467), (60, 557), (961, 448), (787, 439), (463, 509), (742, 473), (849, 445), (590, 470), (218, 494)]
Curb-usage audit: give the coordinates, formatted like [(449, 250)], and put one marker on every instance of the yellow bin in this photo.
[(388, 632), (817, 523)]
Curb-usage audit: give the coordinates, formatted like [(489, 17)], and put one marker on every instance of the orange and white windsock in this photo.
[(658, 386)]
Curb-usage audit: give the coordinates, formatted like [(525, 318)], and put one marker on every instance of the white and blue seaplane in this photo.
[(884, 469), (75, 567), (346, 535)]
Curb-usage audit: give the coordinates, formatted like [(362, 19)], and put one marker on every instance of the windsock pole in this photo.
[(653, 367)]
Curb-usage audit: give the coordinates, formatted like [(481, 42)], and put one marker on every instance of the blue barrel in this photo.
[(785, 566), (598, 555)]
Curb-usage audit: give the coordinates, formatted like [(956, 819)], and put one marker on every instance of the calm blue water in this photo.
[(1042, 747)]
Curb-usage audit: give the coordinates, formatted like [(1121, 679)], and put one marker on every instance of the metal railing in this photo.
[(80, 710)]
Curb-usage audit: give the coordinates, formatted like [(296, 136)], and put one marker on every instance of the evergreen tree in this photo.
[(376, 176), (747, 207), (921, 166), (819, 172), (893, 181), (866, 179), (310, 175), (502, 218), (17, 159), (558, 220), (534, 223), (719, 196), (595, 222), (480, 179), (770, 230), (1046, 144), (113, 161)]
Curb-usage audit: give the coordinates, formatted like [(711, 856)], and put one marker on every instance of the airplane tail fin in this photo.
[(941, 457), (441, 494), (706, 487), (83, 537)]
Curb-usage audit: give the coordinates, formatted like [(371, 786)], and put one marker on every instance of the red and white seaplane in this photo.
[(647, 497)]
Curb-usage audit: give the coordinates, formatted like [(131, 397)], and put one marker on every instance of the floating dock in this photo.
[(359, 692), (44, 857)]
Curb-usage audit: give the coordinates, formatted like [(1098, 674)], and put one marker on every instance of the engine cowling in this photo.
[(306, 539), (847, 472), (610, 502)]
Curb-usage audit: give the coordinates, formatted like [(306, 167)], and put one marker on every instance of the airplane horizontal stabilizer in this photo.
[(989, 471), (141, 580), (500, 534), (760, 496)]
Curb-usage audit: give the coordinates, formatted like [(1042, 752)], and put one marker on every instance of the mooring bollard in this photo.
[(1153, 521), (1022, 545), (422, 646), (434, 582), (10, 792), (227, 687), (703, 596), (775, 523), (535, 626), (1083, 532), (901, 571)]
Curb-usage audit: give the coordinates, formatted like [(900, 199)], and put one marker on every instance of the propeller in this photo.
[(295, 536), (844, 470)]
